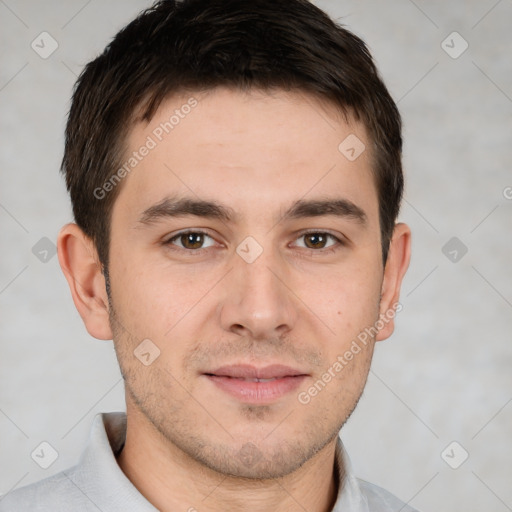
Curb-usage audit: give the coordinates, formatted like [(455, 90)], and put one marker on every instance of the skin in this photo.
[(300, 303)]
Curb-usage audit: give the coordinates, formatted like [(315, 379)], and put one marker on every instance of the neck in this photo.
[(170, 480)]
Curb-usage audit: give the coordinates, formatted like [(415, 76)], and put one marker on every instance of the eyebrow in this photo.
[(318, 208), (181, 207)]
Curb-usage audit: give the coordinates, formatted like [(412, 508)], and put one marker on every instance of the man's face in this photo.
[(271, 280)]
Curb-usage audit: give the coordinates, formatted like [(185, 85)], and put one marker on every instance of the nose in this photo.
[(259, 302)]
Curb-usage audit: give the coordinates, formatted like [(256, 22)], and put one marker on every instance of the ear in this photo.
[(397, 263), (79, 261)]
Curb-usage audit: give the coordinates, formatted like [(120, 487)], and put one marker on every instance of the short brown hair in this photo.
[(197, 45)]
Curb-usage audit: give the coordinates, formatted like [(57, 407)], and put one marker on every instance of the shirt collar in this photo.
[(98, 475), (349, 496), (103, 482)]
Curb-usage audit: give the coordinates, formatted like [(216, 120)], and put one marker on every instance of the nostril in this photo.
[(237, 328)]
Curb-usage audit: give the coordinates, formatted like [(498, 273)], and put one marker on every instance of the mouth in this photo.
[(254, 385)]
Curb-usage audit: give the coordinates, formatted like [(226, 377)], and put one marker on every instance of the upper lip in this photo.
[(248, 371)]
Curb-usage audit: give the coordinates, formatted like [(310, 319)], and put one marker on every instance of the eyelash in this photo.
[(339, 243)]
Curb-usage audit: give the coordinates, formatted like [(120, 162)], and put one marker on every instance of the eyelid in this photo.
[(309, 231)]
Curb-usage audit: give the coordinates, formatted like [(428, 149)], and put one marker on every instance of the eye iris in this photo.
[(192, 240), (317, 240)]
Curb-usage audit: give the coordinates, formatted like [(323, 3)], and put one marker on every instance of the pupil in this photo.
[(316, 239), (192, 240)]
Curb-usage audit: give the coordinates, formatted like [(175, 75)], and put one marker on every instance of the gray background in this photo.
[(446, 373)]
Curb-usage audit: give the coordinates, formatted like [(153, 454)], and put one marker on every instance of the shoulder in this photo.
[(381, 500), (55, 493)]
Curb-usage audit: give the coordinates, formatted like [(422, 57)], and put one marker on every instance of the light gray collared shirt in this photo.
[(97, 484)]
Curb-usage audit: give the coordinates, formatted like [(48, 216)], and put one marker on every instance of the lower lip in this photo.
[(257, 392)]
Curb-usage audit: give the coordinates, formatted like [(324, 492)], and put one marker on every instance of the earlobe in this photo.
[(79, 262), (396, 266)]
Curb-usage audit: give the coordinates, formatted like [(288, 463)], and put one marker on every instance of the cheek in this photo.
[(152, 299), (351, 309), (351, 298)]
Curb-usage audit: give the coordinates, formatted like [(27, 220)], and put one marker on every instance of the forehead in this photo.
[(252, 149)]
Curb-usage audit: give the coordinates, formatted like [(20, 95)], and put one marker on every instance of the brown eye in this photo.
[(315, 240), (191, 240), (319, 240)]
